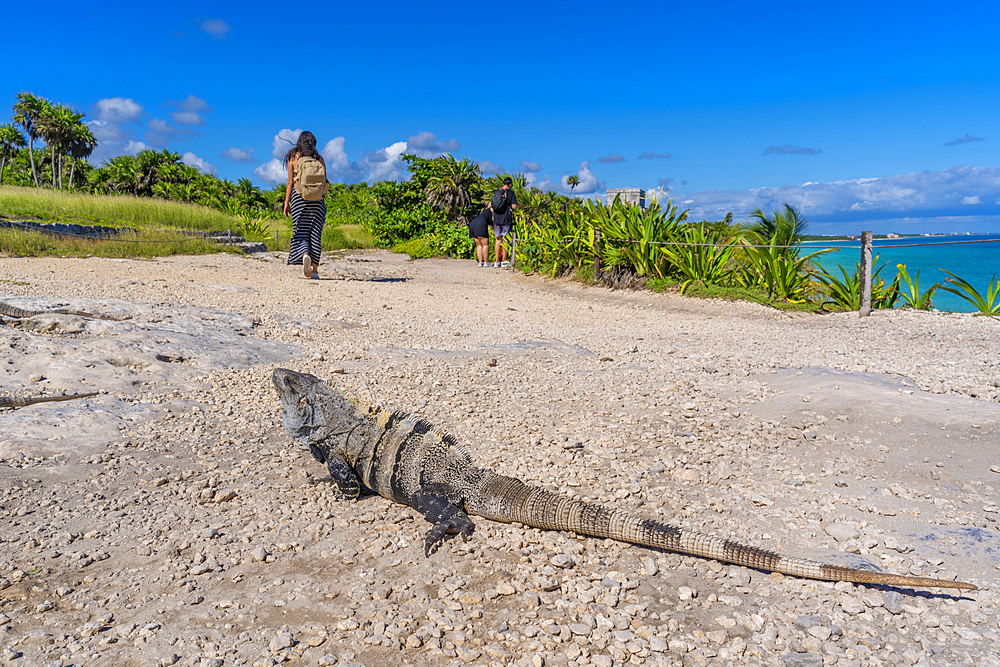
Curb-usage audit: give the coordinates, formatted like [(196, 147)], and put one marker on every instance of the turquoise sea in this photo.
[(974, 262)]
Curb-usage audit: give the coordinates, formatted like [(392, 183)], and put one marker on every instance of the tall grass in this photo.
[(110, 210), (147, 243)]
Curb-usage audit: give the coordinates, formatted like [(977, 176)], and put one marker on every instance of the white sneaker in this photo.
[(307, 266), (496, 265), (504, 265)]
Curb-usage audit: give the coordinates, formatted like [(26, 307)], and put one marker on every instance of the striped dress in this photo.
[(308, 218)]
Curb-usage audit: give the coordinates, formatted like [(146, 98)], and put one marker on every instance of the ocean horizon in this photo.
[(931, 255)]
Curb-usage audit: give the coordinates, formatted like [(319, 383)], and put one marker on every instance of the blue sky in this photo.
[(867, 115)]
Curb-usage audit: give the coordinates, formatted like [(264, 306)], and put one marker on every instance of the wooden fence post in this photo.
[(866, 275), (597, 255), (513, 249)]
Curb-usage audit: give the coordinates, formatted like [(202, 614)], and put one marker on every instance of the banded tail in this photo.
[(14, 311), (14, 402), (508, 500)]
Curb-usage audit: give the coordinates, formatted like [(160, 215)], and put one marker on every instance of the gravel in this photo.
[(170, 521)]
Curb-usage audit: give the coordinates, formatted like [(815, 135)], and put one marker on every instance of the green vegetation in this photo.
[(112, 211), (988, 305), (148, 243), (163, 200), (913, 297)]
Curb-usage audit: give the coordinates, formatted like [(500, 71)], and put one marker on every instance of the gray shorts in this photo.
[(501, 231)]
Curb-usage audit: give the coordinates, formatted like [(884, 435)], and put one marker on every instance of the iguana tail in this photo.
[(507, 500), (14, 402)]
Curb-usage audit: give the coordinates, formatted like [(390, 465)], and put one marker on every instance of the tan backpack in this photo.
[(310, 178)]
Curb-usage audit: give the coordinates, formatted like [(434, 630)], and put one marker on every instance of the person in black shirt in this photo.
[(503, 220), (480, 233)]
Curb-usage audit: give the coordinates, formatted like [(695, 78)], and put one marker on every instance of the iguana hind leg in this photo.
[(446, 517)]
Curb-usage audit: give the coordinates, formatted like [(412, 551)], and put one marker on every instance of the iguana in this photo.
[(14, 311), (14, 402), (411, 462)]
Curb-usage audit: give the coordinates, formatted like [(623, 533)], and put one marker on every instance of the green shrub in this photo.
[(415, 248)]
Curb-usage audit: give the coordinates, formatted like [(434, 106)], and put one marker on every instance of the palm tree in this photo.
[(58, 126), (785, 227), (572, 182), (11, 141), (28, 111), (81, 146), (448, 186)]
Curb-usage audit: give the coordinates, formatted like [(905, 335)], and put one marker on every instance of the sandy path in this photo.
[(170, 520)]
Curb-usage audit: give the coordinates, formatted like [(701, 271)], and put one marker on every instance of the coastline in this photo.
[(828, 436)]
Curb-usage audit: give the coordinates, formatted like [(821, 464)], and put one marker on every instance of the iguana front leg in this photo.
[(344, 476), (445, 515)]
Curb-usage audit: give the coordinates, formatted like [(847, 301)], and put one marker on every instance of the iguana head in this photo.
[(313, 411)]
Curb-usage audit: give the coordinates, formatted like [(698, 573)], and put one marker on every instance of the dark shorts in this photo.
[(501, 231)]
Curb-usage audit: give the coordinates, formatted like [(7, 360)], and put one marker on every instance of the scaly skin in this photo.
[(14, 402), (14, 311), (409, 461)]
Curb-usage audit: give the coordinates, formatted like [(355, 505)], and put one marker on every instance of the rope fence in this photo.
[(200, 236), (569, 239)]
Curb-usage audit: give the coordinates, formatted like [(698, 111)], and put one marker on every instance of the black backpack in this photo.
[(499, 200)]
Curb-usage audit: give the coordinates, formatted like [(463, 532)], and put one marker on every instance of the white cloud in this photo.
[(160, 133), (190, 110), (588, 182), (238, 155), (487, 168), (384, 164), (530, 167), (192, 160), (118, 110), (215, 28), (272, 172), (105, 131), (917, 194), (425, 145), (187, 118), (283, 141), (134, 147)]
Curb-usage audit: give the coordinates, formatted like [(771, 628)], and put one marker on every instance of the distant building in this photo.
[(891, 235), (628, 196)]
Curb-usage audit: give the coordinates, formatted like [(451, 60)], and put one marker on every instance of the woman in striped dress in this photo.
[(308, 217)]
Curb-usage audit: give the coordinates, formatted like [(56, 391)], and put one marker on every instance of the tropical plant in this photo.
[(782, 228), (913, 297), (28, 112), (988, 305), (11, 141), (59, 125), (572, 182), (698, 257), (771, 268), (253, 229), (448, 186), (634, 237), (82, 144), (846, 293)]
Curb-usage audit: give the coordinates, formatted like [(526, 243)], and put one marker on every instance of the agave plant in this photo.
[(988, 305), (913, 297), (633, 236), (775, 269), (847, 293), (703, 260)]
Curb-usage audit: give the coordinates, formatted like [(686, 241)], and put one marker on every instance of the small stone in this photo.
[(504, 588), (659, 644), (601, 660), (562, 560), (851, 605), (840, 531), (280, 641), (686, 593), (258, 555), (537, 661)]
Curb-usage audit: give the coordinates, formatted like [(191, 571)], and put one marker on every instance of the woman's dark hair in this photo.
[(305, 146)]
